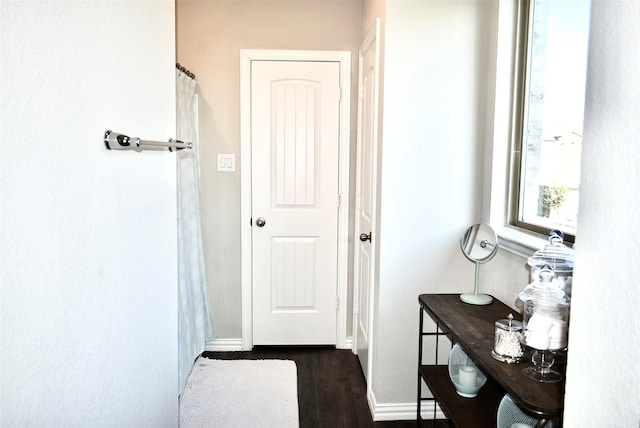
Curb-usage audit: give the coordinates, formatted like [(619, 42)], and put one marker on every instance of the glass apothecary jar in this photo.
[(545, 321)]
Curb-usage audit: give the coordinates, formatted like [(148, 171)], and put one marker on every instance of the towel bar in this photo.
[(118, 141)]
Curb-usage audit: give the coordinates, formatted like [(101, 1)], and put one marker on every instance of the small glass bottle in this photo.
[(508, 341)]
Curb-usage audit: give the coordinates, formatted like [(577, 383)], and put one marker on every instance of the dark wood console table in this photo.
[(473, 327)]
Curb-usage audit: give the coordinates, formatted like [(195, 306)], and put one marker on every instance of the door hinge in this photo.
[(338, 200), (337, 303), (360, 93)]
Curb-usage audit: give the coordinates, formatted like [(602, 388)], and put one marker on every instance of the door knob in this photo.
[(260, 222), (364, 237)]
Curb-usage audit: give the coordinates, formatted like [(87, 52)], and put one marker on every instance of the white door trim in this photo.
[(344, 58)]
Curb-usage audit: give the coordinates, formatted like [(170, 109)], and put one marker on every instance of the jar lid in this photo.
[(544, 291), (556, 255), (511, 325)]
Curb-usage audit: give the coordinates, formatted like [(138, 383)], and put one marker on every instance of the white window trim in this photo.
[(501, 133)]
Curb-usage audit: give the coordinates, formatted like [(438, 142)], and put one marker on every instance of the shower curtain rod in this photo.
[(118, 141), (185, 71)]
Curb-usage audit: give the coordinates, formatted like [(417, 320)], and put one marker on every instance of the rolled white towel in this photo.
[(539, 323), (537, 339)]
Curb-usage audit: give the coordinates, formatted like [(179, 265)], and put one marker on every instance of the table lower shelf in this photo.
[(480, 411)]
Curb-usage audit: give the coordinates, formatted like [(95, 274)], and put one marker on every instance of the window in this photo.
[(546, 178)]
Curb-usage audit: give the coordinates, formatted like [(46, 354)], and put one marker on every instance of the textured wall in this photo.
[(603, 378), (87, 236)]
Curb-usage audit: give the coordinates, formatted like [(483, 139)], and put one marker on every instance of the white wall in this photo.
[(434, 93), (603, 378), (88, 236)]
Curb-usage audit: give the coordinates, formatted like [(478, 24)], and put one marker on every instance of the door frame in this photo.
[(246, 57)]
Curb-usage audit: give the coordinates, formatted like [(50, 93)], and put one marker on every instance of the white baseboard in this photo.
[(401, 411), (348, 343), (224, 345), (233, 345)]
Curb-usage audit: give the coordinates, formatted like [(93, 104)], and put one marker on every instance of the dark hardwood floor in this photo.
[(331, 386)]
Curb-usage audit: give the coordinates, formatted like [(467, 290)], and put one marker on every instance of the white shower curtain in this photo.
[(194, 316)]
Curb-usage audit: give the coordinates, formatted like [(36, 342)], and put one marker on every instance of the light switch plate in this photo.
[(226, 163)]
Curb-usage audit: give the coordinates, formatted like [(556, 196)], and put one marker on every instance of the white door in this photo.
[(295, 113), (366, 197)]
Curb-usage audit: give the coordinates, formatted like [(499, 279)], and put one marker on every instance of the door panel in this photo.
[(366, 201), (295, 134)]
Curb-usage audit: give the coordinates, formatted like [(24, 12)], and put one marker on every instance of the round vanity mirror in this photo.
[(479, 244)]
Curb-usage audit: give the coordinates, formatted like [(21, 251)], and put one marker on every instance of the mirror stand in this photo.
[(479, 244), (476, 298)]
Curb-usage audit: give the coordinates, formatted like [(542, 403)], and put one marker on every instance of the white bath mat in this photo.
[(240, 393)]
